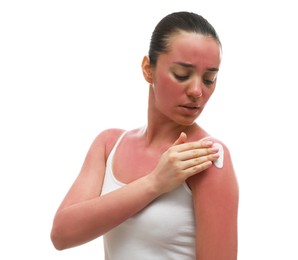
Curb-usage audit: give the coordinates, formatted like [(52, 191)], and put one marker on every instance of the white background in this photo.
[(69, 69)]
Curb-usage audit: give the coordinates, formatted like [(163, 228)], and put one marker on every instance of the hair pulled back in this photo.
[(175, 23)]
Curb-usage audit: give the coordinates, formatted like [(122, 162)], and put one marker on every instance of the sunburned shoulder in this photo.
[(223, 152), (110, 135), (106, 140), (220, 173)]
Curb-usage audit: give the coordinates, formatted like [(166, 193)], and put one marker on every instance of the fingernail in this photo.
[(216, 155), (208, 143), (214, 149)]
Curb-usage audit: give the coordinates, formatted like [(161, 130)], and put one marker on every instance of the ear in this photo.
[(147, 70)]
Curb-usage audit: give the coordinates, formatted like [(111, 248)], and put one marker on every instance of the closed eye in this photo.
[(181, 77), (209, 78), (208, 82)]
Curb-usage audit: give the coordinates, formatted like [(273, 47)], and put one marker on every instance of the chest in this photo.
[(132, 162)]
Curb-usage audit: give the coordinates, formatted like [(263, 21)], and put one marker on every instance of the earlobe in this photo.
[(146, 68)]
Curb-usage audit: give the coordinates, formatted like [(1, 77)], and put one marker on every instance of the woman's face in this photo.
[(185, 77)]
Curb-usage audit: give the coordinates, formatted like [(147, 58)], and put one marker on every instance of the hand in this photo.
[(181, 161)]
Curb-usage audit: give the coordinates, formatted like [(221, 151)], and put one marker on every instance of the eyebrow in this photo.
[(189, 65)]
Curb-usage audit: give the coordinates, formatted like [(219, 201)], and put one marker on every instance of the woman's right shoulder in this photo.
[(107, 139)]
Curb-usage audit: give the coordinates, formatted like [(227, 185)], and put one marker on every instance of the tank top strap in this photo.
[(111, 155), (110, 182)]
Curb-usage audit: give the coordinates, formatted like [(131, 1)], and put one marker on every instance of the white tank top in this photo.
[(164, 230)]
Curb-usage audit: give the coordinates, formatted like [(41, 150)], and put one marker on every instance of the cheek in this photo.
[(207, 94), (167, 86)]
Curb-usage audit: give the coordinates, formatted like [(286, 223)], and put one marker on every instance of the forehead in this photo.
[(193, 48)]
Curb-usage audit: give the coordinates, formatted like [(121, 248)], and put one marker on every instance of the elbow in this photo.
[(65, 233), (57, 239), (59, 234), (69, 231)]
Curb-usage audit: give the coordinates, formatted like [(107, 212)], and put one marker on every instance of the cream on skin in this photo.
[(219, 162)]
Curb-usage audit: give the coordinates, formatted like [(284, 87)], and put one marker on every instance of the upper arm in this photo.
[(215, 196), (89, 182)]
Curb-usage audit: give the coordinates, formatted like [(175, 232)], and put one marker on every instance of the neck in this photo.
[(166, 135)]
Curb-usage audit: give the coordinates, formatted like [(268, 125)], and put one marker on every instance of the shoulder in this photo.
[(106, 140), (219, 178), (225, 159)]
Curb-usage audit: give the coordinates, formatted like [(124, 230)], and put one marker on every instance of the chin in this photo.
[(186, 122)]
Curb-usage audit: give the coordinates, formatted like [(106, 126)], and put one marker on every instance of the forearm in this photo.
[(84, 216), (87, 220)]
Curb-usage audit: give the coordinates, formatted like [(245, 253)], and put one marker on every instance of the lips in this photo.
[(188, 107), (191, 106)]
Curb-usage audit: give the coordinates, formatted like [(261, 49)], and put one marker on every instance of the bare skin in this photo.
[(84, 216), (158, 158)]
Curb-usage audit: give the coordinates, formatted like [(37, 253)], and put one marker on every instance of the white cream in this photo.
[(219, 162)]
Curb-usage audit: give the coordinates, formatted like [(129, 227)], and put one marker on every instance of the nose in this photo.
[(195, 89)]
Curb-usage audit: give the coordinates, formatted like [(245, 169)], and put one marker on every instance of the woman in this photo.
[(167, 190)]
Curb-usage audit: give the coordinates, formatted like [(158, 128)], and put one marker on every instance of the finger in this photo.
[(194, 145), (197, 168), (187, 164), (181, 139), (196, 153)]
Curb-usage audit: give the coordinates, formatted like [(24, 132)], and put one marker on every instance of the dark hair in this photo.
[(174, 23)]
